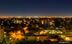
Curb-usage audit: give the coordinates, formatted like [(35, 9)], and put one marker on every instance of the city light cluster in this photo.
[(52, 29)]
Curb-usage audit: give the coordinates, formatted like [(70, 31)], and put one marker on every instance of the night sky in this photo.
[(35, 6)]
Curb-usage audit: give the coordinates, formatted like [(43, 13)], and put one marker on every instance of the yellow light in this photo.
[(53, 39), (25, 29), (42, 22), (61, 32), (67, 38), (37, 38), (13, 34), (41, 32), (18, 32), (17, 35)]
